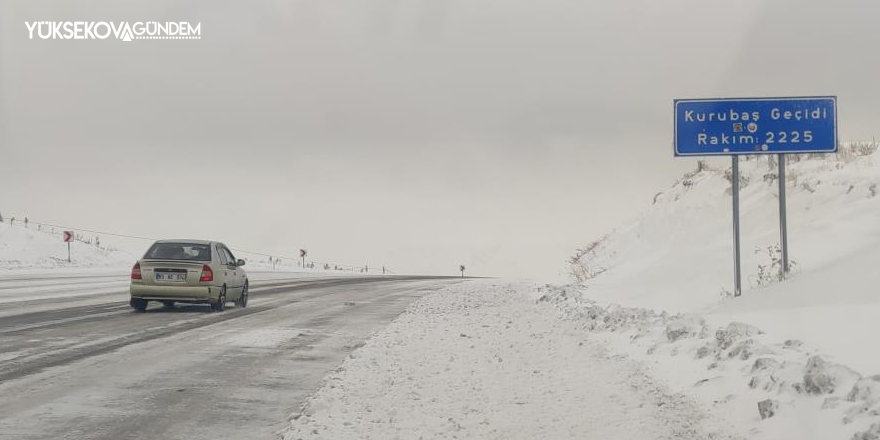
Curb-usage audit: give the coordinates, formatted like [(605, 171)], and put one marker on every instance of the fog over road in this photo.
[(85, 366)]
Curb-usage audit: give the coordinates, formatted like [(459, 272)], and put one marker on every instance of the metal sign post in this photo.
[(68, 237), (783, 227), (735, 126), (734, 192)]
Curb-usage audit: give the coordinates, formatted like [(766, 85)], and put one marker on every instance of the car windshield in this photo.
[(179, 251)]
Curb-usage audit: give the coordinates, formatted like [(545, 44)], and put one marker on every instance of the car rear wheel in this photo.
[(243, 299), (221, 301), (138, 304)]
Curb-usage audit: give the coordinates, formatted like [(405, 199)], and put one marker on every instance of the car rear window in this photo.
[(179, 251)]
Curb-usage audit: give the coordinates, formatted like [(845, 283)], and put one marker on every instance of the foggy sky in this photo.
[(417, 134)]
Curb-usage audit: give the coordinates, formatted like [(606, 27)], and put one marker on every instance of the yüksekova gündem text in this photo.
[(100, 30)]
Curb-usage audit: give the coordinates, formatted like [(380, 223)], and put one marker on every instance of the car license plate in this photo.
[(170, 277)]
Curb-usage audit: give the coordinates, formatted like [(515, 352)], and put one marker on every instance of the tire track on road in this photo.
[(56, 325)]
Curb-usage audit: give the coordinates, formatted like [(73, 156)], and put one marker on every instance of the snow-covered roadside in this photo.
[(676, 256), (798, 345), (262, 264), (29, 249), (27, 252), (768, 388), (482, 360)]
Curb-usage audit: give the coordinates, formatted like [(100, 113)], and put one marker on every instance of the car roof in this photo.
[(187, 241)]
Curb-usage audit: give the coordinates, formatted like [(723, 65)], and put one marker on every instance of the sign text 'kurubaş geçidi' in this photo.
[(705, 127)]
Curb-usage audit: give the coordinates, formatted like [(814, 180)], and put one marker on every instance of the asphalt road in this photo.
[(93, 369)]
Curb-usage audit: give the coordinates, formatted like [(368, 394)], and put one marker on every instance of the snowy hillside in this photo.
[(23, 248), (832, 208), (791, 359), (677, 256)]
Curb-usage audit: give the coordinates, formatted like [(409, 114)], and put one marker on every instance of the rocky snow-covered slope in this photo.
[(800, 353)]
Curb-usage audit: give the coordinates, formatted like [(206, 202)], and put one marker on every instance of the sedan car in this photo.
[(188, 271)]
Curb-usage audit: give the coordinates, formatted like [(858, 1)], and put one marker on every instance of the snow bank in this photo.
[(25, 249), (767, 388), (480, 360), (291, 266), (783, 360), (677, 255)]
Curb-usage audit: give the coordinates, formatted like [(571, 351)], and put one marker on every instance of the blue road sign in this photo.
[(707, 127)]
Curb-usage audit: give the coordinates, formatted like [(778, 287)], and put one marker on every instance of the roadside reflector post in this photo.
[(734, 192), (783, 222), (67, 236)]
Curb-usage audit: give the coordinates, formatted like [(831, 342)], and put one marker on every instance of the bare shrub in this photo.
[(770, 265), (851, 151), (845, 153), (743, 180), (702, 165), (581, 265), (865, 148)]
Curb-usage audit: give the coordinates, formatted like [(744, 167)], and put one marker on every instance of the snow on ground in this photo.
[(29, 252), (806, 347), (487, 359), (651, 336), (480, 360), (33, 266), (29, 249), (263, 265), (768, 388), (677, 256)]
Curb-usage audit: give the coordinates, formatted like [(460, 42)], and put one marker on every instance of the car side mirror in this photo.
[(239, 263)]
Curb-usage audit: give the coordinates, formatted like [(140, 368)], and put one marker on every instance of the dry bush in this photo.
[(865, 148), (849, 152), (743, 180), (581, 266)]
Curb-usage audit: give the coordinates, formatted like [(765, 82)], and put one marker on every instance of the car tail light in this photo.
[(207, 274), (136, 271)]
